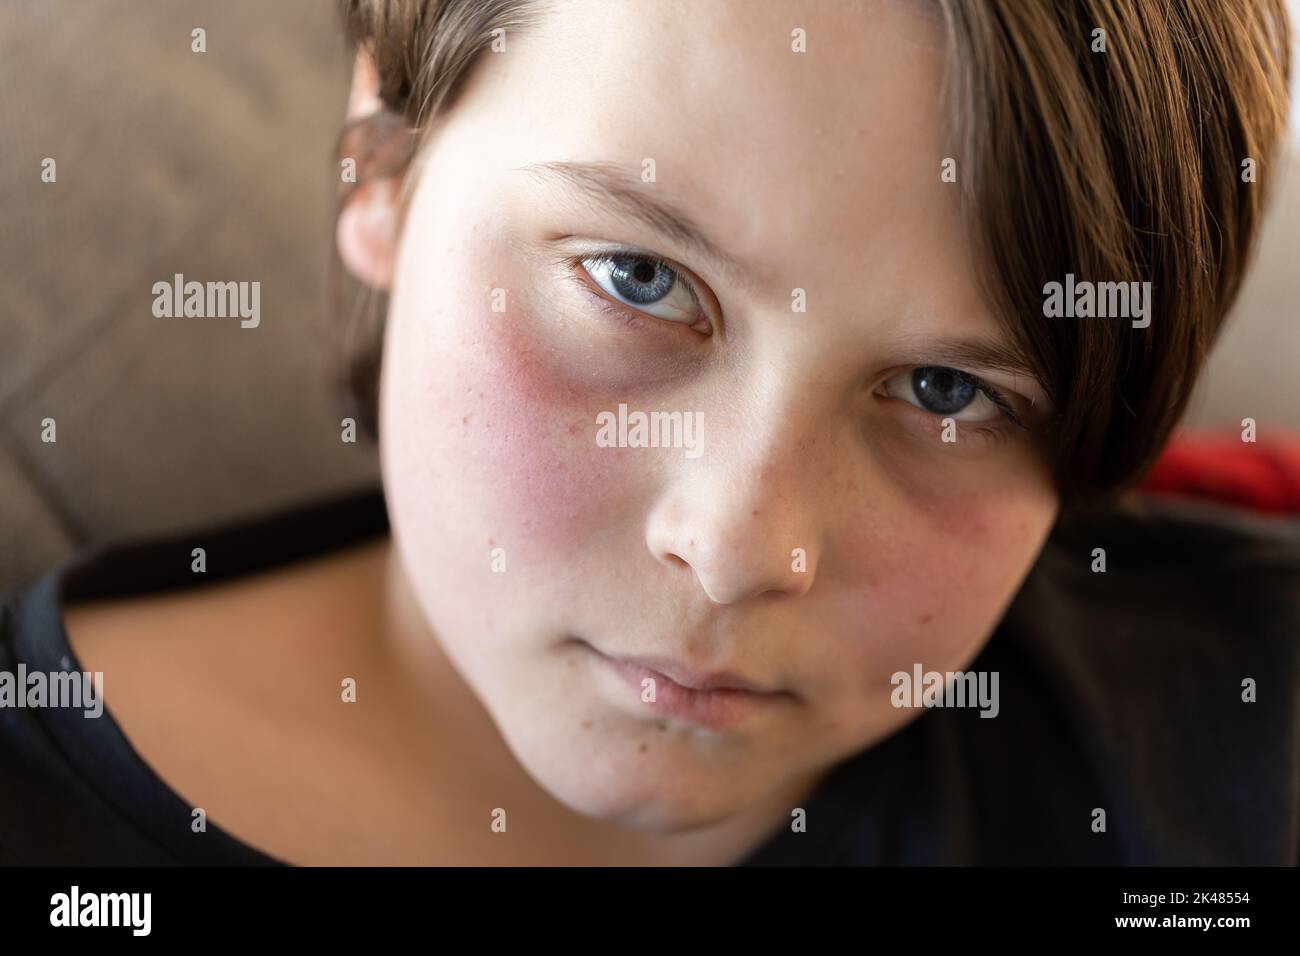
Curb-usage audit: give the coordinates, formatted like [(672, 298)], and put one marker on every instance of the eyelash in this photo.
[(989, 433), (573, 269), (992, 394)]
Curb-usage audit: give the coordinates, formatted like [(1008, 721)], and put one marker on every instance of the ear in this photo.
[(363, 98), (366, 231)]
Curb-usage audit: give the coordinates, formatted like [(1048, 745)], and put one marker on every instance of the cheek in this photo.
[(930, 583), (483, 438)]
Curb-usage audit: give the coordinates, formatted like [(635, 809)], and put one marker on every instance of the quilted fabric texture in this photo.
[(216, 165)]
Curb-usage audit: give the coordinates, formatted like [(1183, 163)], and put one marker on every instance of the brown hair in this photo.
[(423, 53), (1115, 166)]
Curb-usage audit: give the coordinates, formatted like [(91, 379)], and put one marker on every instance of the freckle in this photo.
[(661, 726), (754, 513), (586, 724), (643, 748)]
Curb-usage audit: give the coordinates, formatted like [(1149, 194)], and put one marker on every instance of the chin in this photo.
[(654, 795), (638, 805)]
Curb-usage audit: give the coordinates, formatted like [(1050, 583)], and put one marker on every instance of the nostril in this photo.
[(677, 560)]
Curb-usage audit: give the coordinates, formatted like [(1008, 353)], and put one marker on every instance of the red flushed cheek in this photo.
[(927, 585), (508, 440)]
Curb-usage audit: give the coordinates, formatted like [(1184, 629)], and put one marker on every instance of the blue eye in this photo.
[(646, 284), (951, 393), (943, 390)]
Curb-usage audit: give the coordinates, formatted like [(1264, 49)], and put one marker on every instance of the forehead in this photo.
[(819, 169)]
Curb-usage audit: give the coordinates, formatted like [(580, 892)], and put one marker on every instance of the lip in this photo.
[(717, 699), (691, 679)]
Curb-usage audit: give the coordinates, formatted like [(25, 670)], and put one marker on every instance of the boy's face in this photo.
[(816, 534)]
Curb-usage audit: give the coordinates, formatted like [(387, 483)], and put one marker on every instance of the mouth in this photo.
[(713, 699)]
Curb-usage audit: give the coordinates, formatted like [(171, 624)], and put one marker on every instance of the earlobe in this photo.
[(379, 145), (367, 233)]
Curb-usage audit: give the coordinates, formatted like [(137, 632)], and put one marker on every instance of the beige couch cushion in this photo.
[(216, 165)]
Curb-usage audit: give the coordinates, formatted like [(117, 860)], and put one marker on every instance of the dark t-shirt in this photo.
[(1119, 691)]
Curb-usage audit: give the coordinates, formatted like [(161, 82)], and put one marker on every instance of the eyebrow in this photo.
[(978, 353), (620, 186)]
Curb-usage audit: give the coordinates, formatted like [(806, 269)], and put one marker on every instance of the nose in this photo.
[(744, 528)]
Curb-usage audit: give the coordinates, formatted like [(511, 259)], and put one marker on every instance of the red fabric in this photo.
[(1263, 475)]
